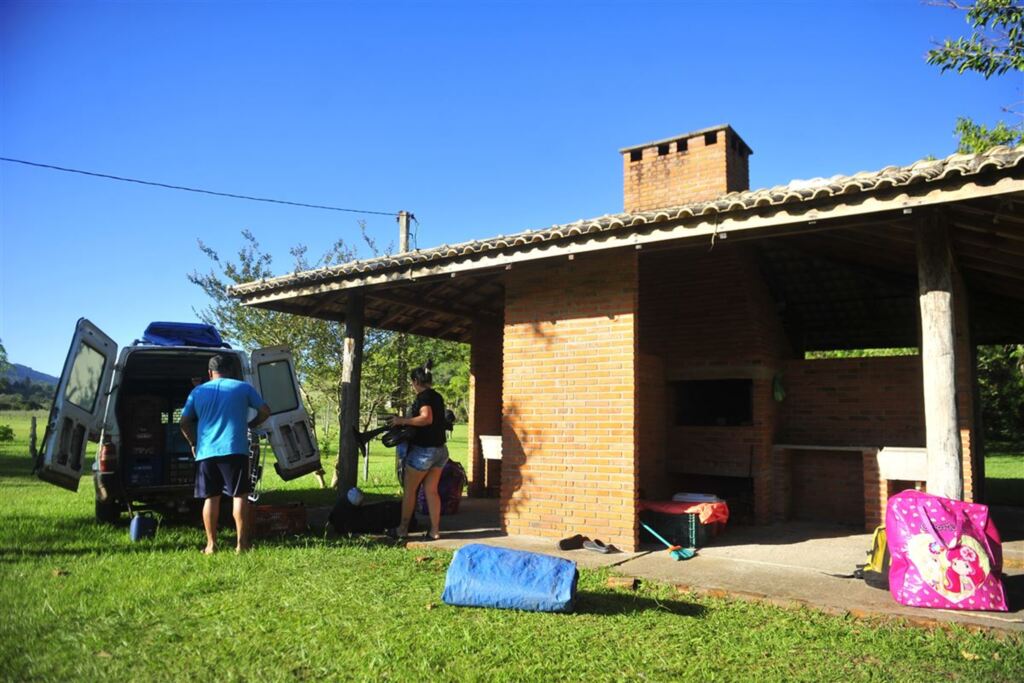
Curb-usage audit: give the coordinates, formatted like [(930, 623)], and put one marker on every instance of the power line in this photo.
[(193, 189)]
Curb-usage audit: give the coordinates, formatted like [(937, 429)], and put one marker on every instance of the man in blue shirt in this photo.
[(214, 423)]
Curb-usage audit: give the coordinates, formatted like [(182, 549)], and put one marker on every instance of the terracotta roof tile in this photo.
[(924, 171)]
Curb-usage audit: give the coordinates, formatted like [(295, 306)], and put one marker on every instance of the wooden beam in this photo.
[(450, 311), (351, 378), (938, 362)]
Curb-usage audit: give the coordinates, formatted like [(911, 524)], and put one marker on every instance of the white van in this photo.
[(133, 407)]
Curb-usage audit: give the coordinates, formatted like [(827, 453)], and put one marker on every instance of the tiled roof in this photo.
[(924, 171)]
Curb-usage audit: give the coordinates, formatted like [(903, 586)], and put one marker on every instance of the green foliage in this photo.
[(1001, 391), (24, 394), (996, 44), (388, 359), (6, 433), (861, 353), (317, 345), (995, 47), (4, 364), (976, 138)]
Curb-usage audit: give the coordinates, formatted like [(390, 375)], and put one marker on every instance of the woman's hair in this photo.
[(422, 374)]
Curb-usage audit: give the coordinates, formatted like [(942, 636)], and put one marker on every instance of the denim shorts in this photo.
[(423, 458)]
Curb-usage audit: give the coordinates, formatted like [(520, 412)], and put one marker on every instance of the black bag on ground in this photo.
[(369, 518)]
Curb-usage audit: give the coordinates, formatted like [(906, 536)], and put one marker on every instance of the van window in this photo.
[(86, 375), (277, 386)]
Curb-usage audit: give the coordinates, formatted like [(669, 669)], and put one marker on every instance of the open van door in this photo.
[(288, 427), (78, 406)]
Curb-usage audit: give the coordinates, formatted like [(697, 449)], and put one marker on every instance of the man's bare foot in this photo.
[(242, 549), (209, 550)]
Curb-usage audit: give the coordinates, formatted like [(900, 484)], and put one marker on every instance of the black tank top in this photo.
[(434, 433)]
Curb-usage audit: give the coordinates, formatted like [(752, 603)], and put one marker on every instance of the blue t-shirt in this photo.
[(221, 406)]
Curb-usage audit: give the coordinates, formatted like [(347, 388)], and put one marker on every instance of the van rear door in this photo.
[(78, 406), (288, 428)]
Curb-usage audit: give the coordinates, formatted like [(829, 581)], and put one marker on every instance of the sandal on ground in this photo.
[(432, 537), (572, 542), (392, 532)]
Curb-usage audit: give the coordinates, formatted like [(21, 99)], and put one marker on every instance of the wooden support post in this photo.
[(351, 378), (938, 365), (32, 439)]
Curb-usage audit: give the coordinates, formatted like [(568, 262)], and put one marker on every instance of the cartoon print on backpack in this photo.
[(924, 553), (966, 571)]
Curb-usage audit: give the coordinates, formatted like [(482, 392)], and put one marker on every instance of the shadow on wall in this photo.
[(512, 460)]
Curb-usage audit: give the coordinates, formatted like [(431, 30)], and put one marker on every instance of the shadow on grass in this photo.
[(48, 537), (16, 466), (627, 603)]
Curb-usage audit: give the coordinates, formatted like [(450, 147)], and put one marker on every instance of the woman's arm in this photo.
[(424, 419)]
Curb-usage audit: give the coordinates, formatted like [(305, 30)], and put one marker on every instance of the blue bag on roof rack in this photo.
[(183, 334)]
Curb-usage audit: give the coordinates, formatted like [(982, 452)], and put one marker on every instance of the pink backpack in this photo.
[(945, 553)]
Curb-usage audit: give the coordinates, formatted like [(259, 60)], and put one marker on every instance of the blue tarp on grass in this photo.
[(486, 576)]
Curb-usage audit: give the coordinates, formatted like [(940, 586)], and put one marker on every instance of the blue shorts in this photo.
[(222, 475), (423, 458)]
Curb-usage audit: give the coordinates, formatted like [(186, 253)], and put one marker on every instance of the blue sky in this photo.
[(481, 118)]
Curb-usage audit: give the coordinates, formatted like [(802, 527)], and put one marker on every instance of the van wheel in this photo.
[(107, 513)]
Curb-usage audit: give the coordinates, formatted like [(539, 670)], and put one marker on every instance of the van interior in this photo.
[(154, 386)]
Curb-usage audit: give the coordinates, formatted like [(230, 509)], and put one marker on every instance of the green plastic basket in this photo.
[(681, 529)]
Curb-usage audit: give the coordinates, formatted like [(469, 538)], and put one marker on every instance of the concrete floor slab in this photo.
[(791, 564)]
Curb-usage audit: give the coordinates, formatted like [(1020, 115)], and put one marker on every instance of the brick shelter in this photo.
[(664, 348)]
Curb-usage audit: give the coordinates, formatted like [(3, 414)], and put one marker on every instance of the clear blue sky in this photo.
[(481, 118)]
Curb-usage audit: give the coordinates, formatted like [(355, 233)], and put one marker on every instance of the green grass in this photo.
[(1004, 474), (380, 482), (79, 601)]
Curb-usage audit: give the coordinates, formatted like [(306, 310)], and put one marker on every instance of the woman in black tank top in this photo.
[(426, 454)]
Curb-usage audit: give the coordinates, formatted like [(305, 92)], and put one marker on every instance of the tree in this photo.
[(317, 345), (995, 47), (996, 44), (4, 365)]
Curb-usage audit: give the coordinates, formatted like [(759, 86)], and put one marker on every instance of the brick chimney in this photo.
[(692, 167)]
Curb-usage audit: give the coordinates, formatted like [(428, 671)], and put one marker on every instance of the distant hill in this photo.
[(18, 372)]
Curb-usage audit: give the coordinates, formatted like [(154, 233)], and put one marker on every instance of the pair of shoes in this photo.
[(598, 547), (392, 533), (572, 543)]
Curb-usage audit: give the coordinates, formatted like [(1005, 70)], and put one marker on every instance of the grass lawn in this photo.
[(79, 601), (1004, 474)]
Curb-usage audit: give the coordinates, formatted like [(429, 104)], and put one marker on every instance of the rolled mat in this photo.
[(486, 576)]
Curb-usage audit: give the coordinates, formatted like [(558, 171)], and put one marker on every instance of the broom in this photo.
[(677, 552)]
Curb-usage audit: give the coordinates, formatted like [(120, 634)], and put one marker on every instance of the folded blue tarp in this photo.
[(182, 334), (485, 576)]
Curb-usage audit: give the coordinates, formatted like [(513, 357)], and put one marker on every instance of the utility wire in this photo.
[(193, 189)]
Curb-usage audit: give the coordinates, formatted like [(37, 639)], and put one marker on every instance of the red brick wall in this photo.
[(709, 316), (484, 403), (853, 402), (569, 399), (827, 486), (699, 173), (652, 421)]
